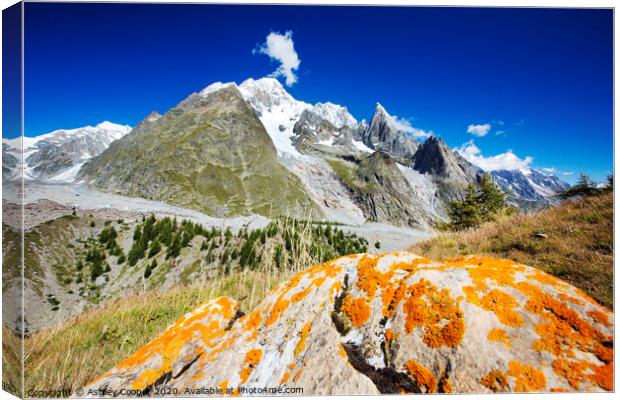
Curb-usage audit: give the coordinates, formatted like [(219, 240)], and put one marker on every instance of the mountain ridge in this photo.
[(303, 137)]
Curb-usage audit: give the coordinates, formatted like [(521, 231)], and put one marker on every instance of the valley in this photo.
[(235, 190)]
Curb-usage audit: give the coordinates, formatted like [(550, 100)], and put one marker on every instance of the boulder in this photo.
[(389, 323)]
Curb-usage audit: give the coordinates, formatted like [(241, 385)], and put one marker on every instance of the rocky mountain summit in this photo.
[(392, 323), (384, 135), (449, 170)]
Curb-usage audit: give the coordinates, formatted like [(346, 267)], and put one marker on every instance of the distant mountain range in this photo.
[(235, 149), (58, 156)]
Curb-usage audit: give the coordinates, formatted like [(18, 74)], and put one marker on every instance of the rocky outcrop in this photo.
[(393, 323)]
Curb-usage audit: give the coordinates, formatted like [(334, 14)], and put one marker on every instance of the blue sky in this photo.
[(541, 78)]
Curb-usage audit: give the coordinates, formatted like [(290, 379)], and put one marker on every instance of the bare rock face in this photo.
[(385, 134), (393, 323)]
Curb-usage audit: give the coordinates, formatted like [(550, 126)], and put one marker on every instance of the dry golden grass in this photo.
[(577, 245), (11, 362)]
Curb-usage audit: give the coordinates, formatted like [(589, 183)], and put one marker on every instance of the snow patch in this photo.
[(67, 175), (214, 87), (361, 146)]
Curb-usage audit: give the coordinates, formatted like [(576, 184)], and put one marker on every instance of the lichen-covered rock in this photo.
[(392, 323)]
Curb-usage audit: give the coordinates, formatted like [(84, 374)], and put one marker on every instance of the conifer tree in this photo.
[(465, 213)]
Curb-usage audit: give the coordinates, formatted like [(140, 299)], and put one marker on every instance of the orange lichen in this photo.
[(198, 376), (422, 376), (145, 379), (357, 309), (571, 371), (303, 335), (571, 299), (600, 317), (575, 373), (223, 385), (499, 303), (440, 315), (335, 288), (287, 374), (252, 321), (390, 335), (482, 268), (563, 330), (528, 378), (368, 278), (495, 380), (546, 279), (387, 294), (252, 358), (297, 375), (342, 351), (499, 335), (277, 310), (409, 266), (226, 306), (603, 376), (391, 299), (301, 294), (285, 377)]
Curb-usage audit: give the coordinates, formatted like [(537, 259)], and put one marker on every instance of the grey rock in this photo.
[(383, 135), (450, 171)]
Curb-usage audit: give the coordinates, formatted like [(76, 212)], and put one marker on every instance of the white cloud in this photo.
[(549, 170), (498, 133), (568, 173), (404, 125), (479, 130), (507, 160), (282, 49)]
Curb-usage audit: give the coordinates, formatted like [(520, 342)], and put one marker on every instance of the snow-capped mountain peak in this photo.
[(337, 115), (268, 95), (379, 109), (278, 110)]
